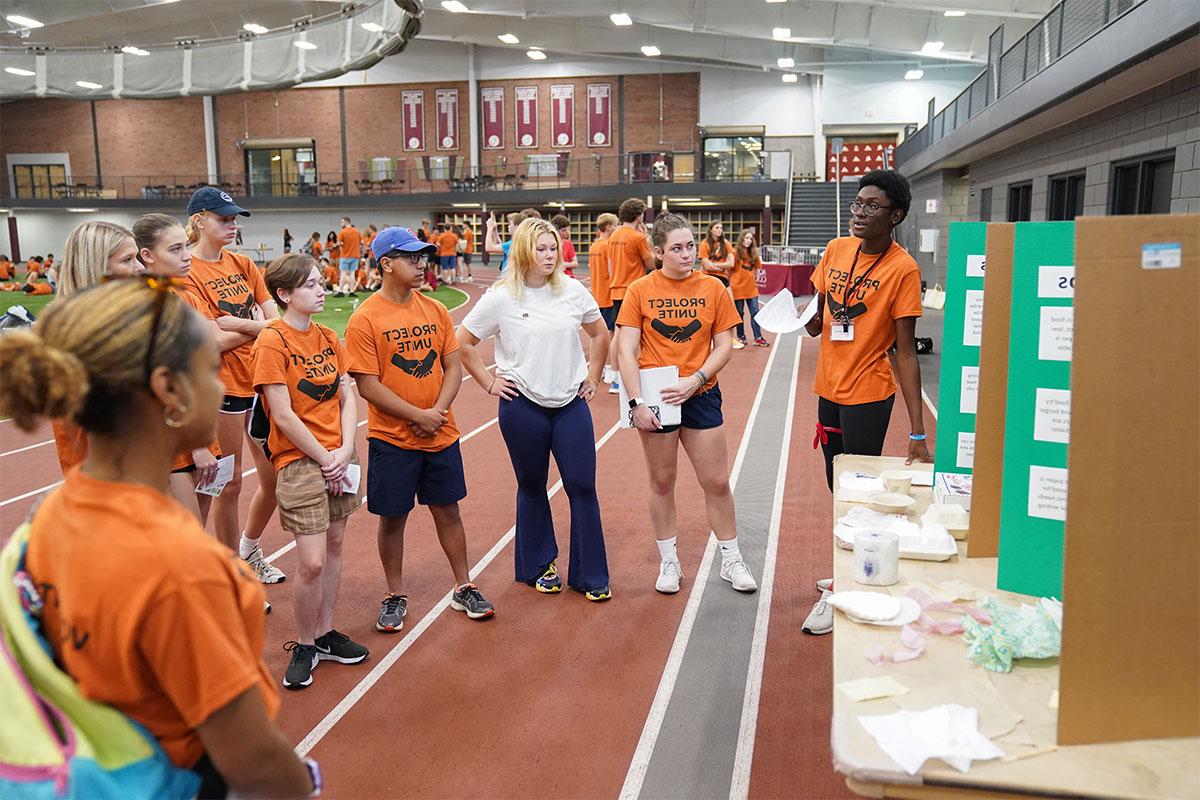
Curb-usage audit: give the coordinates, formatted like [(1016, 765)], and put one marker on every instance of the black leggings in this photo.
[(863, 428)]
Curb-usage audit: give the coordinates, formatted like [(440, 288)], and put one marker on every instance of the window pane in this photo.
[(1125, 189), (1056, 210), (1157, 192), (1075, 187), (985, 205)]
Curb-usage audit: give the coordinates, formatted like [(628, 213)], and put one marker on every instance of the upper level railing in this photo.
[(384, 176), (1068, 25)]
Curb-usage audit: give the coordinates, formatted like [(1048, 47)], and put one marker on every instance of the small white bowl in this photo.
[(898, 481), (890, 503)]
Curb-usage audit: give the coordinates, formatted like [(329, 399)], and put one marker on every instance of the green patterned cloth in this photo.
[(1020, 631)]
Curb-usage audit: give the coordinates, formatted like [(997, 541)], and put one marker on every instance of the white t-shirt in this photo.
[(537, 338)]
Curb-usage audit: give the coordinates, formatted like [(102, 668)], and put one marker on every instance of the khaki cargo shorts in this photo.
[(305, 506)]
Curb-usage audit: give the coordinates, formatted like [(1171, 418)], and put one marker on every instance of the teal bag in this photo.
[(54, 742)]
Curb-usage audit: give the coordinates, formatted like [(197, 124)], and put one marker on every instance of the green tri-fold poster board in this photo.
[(962, 333), (1033, 505)]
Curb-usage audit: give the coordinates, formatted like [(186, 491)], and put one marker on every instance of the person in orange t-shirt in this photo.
[(716, 256), (744, 287), (300, 367), (349, 254), (869, 291), (677, 317), (7, 271), (599, 271), (315, 248), (145, 612), (468, 248), (629, 258), (447, 245), (404, 356)]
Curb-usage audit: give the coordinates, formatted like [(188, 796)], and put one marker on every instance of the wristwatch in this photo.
[(634, 402)]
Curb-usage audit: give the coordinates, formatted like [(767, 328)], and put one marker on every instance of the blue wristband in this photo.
[(917, 437)]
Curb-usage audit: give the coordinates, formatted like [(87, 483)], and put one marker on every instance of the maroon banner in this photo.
[(562, 116), (858, 158), (599, 116), (527, 115), (446, 103), (796, 278), (492, 98), (412, 102)]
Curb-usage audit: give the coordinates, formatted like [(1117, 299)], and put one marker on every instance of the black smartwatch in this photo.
[(634, 402)]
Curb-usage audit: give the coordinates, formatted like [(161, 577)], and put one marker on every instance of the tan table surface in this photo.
[(1166, 768)]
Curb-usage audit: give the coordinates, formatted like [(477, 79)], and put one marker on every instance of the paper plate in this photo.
[(866, 605), (910, 610)]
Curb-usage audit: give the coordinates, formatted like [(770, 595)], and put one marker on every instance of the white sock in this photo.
[(729, 550), (666, 550), (246, 546)]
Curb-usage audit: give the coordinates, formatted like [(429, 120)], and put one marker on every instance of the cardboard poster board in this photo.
[(1033, 496), (962, 334), (984, 538), (1131, 582)]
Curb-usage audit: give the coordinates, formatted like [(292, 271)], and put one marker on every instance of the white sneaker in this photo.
[(614, 387), (669, 574), (737, 573), (820, 619), (265, 570), (738, 344)]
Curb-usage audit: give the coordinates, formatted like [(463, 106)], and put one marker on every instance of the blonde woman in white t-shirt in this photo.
[(544, 384)]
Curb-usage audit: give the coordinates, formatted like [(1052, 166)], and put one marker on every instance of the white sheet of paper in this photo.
[(778, 315), (654, 380), (353, 476), (224, 475)]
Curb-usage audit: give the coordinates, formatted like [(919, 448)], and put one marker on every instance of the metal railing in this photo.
[(388, 176), (1068, 25)]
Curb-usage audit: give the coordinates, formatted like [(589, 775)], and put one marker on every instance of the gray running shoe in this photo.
[(304, 660), (337, 646), (265, 570), (391, 613), (469, 599), (820, 619), (825, 585)]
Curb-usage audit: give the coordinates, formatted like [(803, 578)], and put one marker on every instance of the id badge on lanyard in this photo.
[(841, 330)]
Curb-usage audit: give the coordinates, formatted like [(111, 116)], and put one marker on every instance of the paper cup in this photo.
[(896, 480)]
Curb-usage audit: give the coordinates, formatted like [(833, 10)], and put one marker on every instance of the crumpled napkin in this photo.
[(1020, 631), (949, 732)]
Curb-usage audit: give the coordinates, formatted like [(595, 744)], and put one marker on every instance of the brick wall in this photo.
[(160, 139), (50, 126), (680, 112), (289, 114)]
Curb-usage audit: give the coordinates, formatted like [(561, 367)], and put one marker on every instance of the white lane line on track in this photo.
[(358, 692), (666, 686), (929, 404), (739, 785), (27, 448), (29, 494)]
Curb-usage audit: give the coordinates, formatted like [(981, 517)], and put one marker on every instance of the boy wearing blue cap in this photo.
[(404, 357)]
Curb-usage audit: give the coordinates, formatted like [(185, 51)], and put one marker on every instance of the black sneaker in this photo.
[(391, 613), (337, 646), (469, 599), (304, 661)]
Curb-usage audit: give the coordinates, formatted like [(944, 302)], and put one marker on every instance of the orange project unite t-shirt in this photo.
[(231, 287), (852, 373), (317, 250), (147, 612), (403, 345), (350, 241), (598, 267), (678, 319), (448, 244), (706, 252), (469, 235), (742, 281), (310, 364), (628, 250)]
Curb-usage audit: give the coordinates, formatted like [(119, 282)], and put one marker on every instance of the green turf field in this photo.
[(336, 314)]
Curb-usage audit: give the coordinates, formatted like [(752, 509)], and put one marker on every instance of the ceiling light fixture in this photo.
[(82, 210), (24, 73), (373, 27), (621, 19), (955, 14), (776, 1), (685, 199), (277, 157), (24, 22), (134, 51), (932, 48), (454, 7), (465, 205), (781, 33), (790, 77), (785, 63), (914, 75), (697, 203), (536, 55), (304, 44), (508, 38), (255, 28), (650, 50), (88, 85)]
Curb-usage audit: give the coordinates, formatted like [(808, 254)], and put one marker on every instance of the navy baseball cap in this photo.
[(210, 198), (403, 239)]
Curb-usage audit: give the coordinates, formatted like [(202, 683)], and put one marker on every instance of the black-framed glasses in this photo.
[(416, 259), (162, 287), (870, 209)]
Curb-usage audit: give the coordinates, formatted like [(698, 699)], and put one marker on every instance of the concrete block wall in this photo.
[(950, 189)]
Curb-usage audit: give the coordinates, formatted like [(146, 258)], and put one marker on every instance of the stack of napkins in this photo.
[(858, 486), (949, 732)]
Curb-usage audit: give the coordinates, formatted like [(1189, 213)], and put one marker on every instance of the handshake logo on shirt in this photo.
[(676, 333), (418, 369)]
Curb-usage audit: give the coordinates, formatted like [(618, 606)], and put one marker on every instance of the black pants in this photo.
[(863, 427), (212, 785)]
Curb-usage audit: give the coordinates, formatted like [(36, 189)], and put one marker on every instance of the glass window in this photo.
[(733, 158), (40, 181), (1066, 197), (1020, 201), (281, 172), (1143, 186), (985, 205)]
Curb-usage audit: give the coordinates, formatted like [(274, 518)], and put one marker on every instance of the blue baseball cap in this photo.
[(403, 239), (210, 198)]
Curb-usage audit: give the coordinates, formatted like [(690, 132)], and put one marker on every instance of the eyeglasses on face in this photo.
[(416, 259), (870, 209)]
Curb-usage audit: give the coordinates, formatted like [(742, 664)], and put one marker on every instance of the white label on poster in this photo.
[(1056, 282), (969, 393), (1056, 333), (1162, 255), (973, 322), (966, 451), (1052, 415), (975, 266), (1048, 493)]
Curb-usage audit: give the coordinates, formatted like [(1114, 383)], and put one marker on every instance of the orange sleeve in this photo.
[(258, 286), (702, 251), (270, 360), (821, 273), (631, 307), (726, 316), (360, 346), (643, 246), (908, 296)]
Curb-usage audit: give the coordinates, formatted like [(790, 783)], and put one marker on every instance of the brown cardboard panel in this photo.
[(983, 540), (1131, 576)]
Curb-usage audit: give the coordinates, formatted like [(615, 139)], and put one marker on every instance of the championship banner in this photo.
[(562, 116), (599, 116), (492, 98), (412, 101), (446, 102), (527, 116)]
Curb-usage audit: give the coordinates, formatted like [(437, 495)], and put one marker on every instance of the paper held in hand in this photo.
[(353, 476), (778, 315), (654, 380), (224, 475)]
